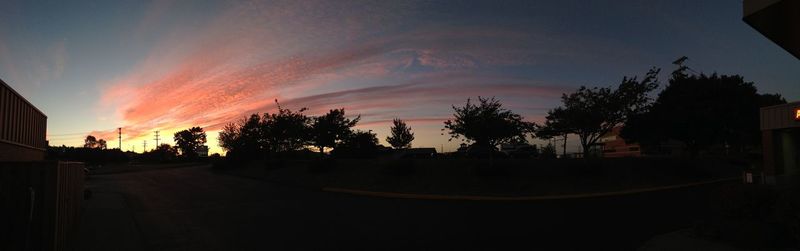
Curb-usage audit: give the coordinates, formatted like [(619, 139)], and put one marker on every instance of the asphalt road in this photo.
[(194, 208)]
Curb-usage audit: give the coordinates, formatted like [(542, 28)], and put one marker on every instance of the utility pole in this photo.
[(119, 130), (157, 139), (144, 145)]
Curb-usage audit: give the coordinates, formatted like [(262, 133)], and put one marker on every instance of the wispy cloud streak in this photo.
[(252, 54)]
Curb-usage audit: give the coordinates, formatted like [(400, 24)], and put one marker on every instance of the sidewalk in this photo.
[(107, 224)]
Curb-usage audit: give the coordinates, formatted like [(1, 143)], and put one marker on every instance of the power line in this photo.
[(157, 139), (119, 129), (144, 143)]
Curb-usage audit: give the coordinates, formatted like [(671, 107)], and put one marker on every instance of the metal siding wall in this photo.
[(6, 114), (42, 132), (2, 111), (14, 127), (7, 133), (21, 109), (37, 131), (26, 126), (11, 115), (18, 111), (21, 122), (17, 126), (26, 112), (29, 127)]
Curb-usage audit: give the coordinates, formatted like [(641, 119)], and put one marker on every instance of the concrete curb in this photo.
[(517, 198)]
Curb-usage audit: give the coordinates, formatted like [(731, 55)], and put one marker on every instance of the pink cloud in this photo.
[(250, 55)]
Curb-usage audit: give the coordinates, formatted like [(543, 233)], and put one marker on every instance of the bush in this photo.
[(91, 156)]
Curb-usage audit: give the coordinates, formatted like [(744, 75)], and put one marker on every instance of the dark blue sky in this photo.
[(164, 65)]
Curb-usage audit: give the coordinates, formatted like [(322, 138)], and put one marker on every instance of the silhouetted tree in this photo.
[(91, 156), (487, 124), (230, 137), (548, 151), (357, 144), (401, 135), (162, 153), (263, 136), (592, 112), (188, 140), (556, 125), (701, 111), (329, 129), (286, 130), (361, 139), (90, 142), (243, 140)]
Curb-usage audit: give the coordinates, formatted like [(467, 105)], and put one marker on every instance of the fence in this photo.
[(41, 204)]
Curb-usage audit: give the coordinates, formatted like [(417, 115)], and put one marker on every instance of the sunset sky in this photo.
[(168, 65)]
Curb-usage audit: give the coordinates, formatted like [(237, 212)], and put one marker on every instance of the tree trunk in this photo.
[(564, 152), (586, 150)]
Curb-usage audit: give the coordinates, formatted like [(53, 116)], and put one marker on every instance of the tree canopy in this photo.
[(357, 144), (188, 140), (401, 135), (702, 110), (93, 142), (331, 128), (487, 124), (286, 130), (592, 112), (556, 125)]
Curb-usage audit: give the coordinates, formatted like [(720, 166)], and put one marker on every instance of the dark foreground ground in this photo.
[(194, 208)]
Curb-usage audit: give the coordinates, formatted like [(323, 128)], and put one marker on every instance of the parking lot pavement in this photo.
[(193, 208)]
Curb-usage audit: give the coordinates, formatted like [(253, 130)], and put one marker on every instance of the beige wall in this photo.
[(779, 116)]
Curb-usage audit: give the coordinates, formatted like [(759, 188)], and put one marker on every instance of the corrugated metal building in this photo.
[(23, 127)]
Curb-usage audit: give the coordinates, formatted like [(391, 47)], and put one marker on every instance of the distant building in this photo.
[(23, 127), (613, 145)]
